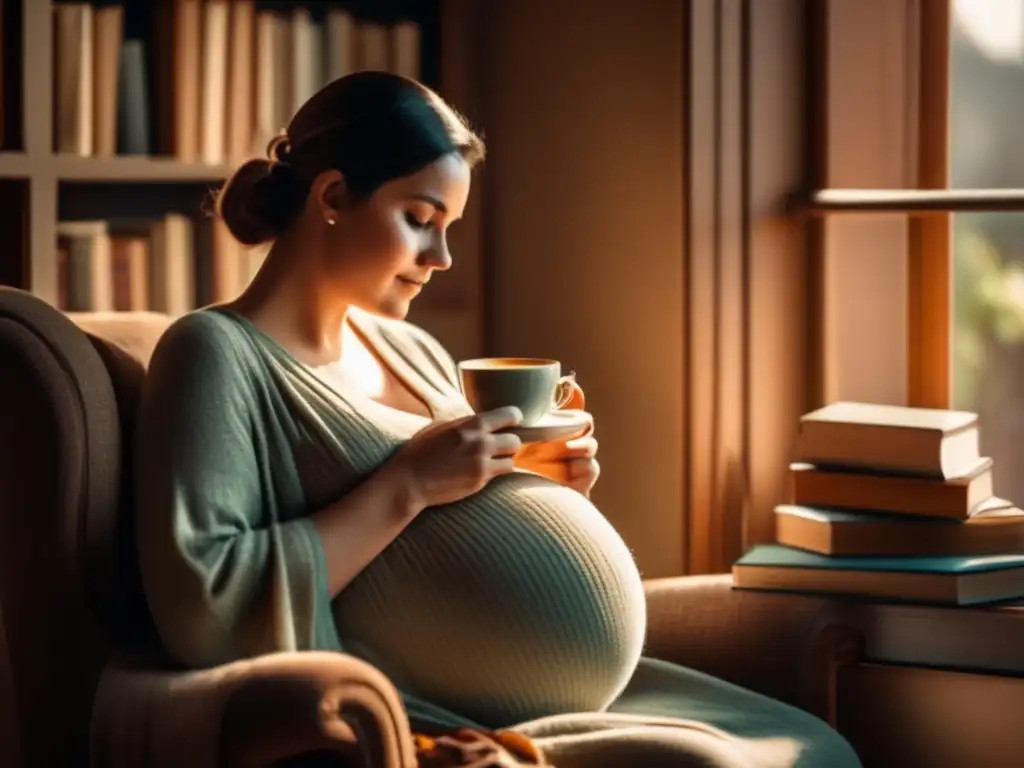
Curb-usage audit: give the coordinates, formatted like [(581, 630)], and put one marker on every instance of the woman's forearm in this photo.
[(359, 526)]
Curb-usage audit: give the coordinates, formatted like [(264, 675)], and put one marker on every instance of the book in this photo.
[(133, 123), (956, 497), (212, 128), (895, 439), (956, 580), (205, 81), (996, 527), (73, 78), (241, 78), (108, 30), (87, 282), (177, 76)]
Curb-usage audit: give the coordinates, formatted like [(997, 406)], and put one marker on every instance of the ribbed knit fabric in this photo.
[(519, 603), (550, 592)]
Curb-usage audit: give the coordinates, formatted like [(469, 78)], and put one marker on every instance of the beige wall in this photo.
[(584, 232)]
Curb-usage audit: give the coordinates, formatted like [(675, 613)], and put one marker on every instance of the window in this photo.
[(986, 111), (922, 186), (904, 171)]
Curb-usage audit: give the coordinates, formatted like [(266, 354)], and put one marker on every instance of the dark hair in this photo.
[(374, 127)]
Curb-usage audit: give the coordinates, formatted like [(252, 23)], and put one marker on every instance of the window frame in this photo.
[(927, 202), (841, 291)]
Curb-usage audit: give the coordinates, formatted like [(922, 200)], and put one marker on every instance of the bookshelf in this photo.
[(40, 188)]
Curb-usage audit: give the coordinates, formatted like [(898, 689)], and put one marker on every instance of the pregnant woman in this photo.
[(311, 476)]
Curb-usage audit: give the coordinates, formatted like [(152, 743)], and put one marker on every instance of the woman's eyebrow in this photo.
[(432, 200)]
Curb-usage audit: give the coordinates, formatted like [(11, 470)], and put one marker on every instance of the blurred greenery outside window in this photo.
[(987, 151)]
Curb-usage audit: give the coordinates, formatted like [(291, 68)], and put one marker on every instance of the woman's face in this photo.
[(382, 252)]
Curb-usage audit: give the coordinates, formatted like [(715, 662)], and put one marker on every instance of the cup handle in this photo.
[(563, 391)]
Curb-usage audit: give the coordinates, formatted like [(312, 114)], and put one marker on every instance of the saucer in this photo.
[(556, 425)]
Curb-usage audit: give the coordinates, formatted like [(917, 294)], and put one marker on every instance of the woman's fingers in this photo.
[(499, 418), (583, 475), (583, 468), (502, 465), (558, 450), (582, 447), (505, 444)]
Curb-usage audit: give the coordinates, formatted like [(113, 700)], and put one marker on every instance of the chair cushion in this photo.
[(133, 333)]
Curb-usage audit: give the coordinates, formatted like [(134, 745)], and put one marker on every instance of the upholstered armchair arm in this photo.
[(252, 713), (784, 646)]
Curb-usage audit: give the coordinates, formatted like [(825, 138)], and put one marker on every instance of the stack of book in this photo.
[(891, 503)]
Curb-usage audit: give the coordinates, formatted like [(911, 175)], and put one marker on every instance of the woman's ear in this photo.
[(329, 194)]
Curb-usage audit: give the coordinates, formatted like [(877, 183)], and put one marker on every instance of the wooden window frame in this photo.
[(842, 291), (927, 203)]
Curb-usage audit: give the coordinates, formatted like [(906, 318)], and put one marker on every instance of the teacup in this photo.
[(535, 386)]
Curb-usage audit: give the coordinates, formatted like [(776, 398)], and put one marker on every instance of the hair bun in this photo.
[(279, 149), (259, 201), (372, 127)]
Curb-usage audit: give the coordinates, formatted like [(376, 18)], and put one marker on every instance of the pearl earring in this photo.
[(331, 222)]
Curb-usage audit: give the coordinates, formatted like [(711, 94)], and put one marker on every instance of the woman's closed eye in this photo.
[(416, 223)]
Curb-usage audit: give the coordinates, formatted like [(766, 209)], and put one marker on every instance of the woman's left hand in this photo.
[(570, 462)]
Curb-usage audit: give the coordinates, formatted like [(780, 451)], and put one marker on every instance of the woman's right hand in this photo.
[(451, 460)]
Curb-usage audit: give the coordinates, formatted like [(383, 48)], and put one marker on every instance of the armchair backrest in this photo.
[(69, 584)]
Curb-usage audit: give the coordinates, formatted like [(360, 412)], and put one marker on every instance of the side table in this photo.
[(927, 687)]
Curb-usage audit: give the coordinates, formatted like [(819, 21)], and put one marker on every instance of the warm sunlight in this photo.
[(361, 367), (996, 27)]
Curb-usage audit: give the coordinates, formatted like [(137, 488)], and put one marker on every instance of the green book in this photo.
[(955, 580)]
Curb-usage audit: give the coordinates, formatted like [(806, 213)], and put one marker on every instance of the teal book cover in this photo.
[(778, 556)]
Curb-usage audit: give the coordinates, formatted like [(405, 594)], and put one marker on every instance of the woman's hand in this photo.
[(569, 462), (451, 460)]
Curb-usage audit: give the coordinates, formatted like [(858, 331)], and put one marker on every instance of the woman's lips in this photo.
[(411, 283)]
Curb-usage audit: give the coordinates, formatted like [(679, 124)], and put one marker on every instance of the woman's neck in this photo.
[(288, 299)]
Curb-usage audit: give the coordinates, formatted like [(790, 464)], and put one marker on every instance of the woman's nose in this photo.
[(438, 257)]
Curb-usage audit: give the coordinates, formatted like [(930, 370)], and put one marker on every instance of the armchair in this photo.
[(82, 679)]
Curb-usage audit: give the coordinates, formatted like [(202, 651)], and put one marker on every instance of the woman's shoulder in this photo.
[(205, 338)]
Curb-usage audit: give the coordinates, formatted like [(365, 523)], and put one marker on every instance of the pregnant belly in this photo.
[(519, 602)]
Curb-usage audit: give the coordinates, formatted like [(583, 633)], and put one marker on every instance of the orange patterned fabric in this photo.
[(468, 748)]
